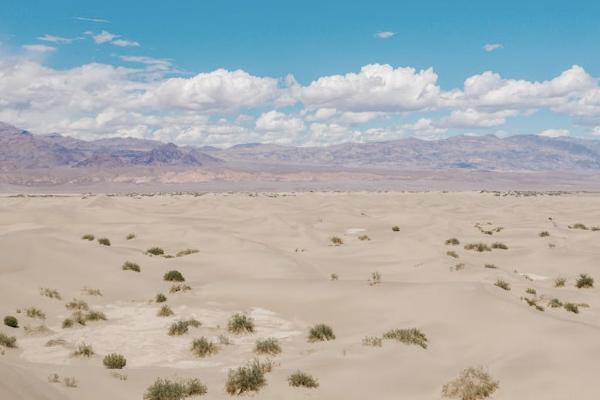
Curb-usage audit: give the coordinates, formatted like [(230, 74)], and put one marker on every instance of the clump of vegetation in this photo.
[(51, 293), (533, 303), (178, 287), (33, 312), (375, 278), (11, 321), (8, 341), (77, 304), (320, 333), (584, 281), (578, 226), (54, 378), (88, 236), (480, 247), (91, 292), (83, 350), (240, 324), (267, 346), (531, 291), (181, 327), (155, 251), (395, 228), (225, 340), (165, 389), (334, 277), (67, 323), (336, 241), (490, 266), (70, 381), (165, 311), (104, 241), (459, 267), (452, 254), (130, 236), (186, 252), (544, 234), (247, 378), (572, 308), (203, 347), (364, 237), (499, 245), (160, 298), (471, 384), (173, 276), (560, 282), (114, 361), (407, 336), (502, 284), (131, 266), (95, 316), (302, 379), (453, 242), (372, 341), (555, 303)]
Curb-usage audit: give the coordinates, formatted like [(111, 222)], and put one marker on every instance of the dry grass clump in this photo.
[(130, 236), (181, 327), (77, 304), (131, 266), (544, 234), (458, 267), (336, 241), (502, 284), (203, 347), (471, 384), (364, 237), (173, 276), (165, 389), (480, 247), (160, 298), (375, 278), (70, 381), (578, 226), (320, 333), (104, 241), (91, 292), (240, 324), (33, 312), (186, 252), (11, 321), (407, 336), (584, 281), (54, 378), (114, 361), (533, 303), (267, 346), (155, 251), (555, 303), (395, 228), (178, 287), (531, 291), (499, 245), (571, 307), (165, 311), (51, 293), (372, 341), (302, 379), (88, 236), (247, 378), (560, 282), (8, 341), (225, 340), (452, 254), (95, 316), (334, 277), (452, 242), (83, 350), (490, 266)]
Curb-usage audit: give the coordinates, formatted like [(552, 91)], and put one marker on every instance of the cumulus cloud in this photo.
[(426, 129), (554, 133), (125, 43), (104, 37), (384, 34), (489, 47), (54, 39), (278, 121)]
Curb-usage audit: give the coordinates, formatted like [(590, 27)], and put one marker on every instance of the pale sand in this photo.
[(270, 256)]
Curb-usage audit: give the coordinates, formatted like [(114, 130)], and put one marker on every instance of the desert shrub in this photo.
[(56, 342), (240, 324), (33, 312), (407, 336), (193, 387), (181, 327), (480, 247), (165, 311), (579, 226), (544, 234), (155, 251), (395, 228), (336, 241), (130, 266), (173, 276), (560, 282), (70, 381), (53, 378), (531, 291), (584, 281), (104, 241), (334, 277), (119, 376), (247, 378), (499, 245), (79, 317), (165, 389), (95, 316), (67, 323), (8, 341), (11, 321), (459, 267), (114, 361), (502, 284), (302, 379), (267, 346), (83, 350), (453, 242), (320, 333), (490, 266), (375, 278), (130, 236), (571, 308), (203, 347), (91, 292), (77, 304), (160, 298), (471, 384), (225, 340), (186, 252), (364, 237), (88, 236), (452, 254), (555, 303), (372, 341), (51, 293), (179, 288), (533, 303)]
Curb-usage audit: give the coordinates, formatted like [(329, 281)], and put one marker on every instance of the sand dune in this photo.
[(270, 256)]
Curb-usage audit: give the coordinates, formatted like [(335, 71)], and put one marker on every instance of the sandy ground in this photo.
[(269, 255)]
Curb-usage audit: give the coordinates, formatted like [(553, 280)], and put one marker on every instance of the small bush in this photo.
[(155, 251), (240, 324), (452, 242), (77, 304), (560, 282), (471, 384), (51, 293), (224, 340), (480, 247), (8, 341), (395, 228), (407, 336), (499, 245), (364, 237), (555, 303), (114, 361), (203, 347), (95, 316), (186, 252), (179, 288), (336, 241), (53, 378), (83, 350), (533, 303), (164, 389), (130, 266), (33, 312), (248, 378), (165, 311), (160, 298), (372, 341), (579, 226), (584, 281), (544, 234), (490, 266), (459, 267), (502, 284), (88, 236), (173, 276), (130, 236), (181, 327), (91, 292), (320, 333), (572, 308), (193, 387), (301, 379), (531, 291), (267, 346), (375, 278), (67, 323), (334, 277), (452, 254), (104, 241), (70, 382), (11, 321)]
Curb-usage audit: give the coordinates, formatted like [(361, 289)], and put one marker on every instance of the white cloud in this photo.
[(96, 20), (489, 47), (125, 43), (39, 48), (554, 133), (277, 121), (54, 39), (426, 129), (384, 34), (104, 37), (471, 118)]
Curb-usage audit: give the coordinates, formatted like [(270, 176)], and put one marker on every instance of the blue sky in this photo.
[(532, 42)]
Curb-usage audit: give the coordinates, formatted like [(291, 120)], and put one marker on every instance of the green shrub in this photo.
[(104, 241), (560, 282), (51, 293), (8, 341), (453, 242), (372, 341), (33, 312), (452, 254), (160, 298), (114, 361), (173, 276), (165, 389), (471, 384), (584, 281), (395, 228), (480, 247), (320, 333), (555, 303), (181, 327), (407, 336), (240, 324), (83, 350), (11, 321), (130, 236), (186, 252), (502, 284), (267, 346), (130, 266), (165, 311), (301, 379), (499, 245), (572, 308), (155, 251), (203, 347), (88, 236), (248, 378), (336, 241), (544, 234)]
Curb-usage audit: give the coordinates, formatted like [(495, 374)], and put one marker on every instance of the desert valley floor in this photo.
[(272, 258)]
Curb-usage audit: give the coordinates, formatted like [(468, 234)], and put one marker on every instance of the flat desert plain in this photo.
[(271, 257)]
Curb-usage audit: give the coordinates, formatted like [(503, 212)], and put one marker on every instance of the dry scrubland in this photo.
[(311, 295)]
